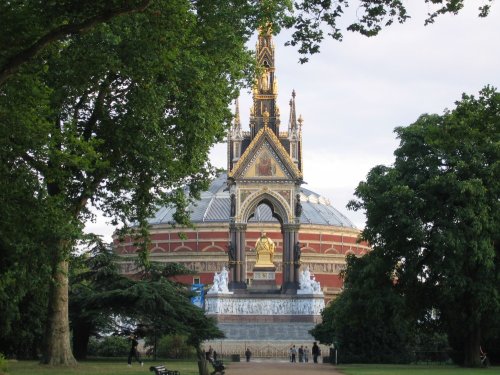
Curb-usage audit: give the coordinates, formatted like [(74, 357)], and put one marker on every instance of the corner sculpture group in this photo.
[(221, 282), (307, 283)]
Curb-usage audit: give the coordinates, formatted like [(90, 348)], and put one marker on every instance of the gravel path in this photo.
[(267, 367)]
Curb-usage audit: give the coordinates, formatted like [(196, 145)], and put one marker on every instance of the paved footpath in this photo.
[(267, 367)]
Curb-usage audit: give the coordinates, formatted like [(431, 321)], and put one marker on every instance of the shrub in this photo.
[(174, 346), (112, 346)]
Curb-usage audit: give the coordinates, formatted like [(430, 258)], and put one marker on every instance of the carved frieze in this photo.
[(225, 305)]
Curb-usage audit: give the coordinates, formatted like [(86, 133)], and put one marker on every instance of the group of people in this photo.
[(303, 353), (211, 355)]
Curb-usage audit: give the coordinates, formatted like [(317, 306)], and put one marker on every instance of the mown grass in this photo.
[(414, 370), (98, 367)]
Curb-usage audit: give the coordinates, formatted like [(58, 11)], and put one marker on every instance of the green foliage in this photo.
[(111, 346), (175, 347), (367, 322), (99, 294), (433, 217)]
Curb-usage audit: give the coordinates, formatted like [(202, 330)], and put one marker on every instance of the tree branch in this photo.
[(13, 65)]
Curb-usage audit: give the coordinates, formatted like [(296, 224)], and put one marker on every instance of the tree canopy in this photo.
[(367, 322), (100, 296), (434, 216)]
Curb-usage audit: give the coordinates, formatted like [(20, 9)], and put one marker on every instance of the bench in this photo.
[(218, 367), (162, 370)]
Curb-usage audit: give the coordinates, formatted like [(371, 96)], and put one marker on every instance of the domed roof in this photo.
[(214, 207)]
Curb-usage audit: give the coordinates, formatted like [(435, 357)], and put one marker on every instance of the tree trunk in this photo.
[(471, 348), (57, 349), (202, 361)]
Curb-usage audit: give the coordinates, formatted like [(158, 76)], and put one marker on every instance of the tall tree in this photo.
[(154, 301), (435, 216), (368, 322), (121, 116)]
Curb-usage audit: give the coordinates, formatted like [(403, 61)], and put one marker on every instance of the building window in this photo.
[(196, 280)]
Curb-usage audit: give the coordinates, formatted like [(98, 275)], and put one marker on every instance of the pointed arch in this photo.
[(279, 207)]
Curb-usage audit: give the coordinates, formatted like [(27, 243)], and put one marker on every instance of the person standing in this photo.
[(306, 354), (133, 351), (294, 354), (248, 354), (301, 353), (316, 352), (210, 354)]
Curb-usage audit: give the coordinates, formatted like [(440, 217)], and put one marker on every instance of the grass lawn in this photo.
[(99, 367), (414, 370)]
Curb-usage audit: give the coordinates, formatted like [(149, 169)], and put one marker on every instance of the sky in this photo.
[(354, 93)]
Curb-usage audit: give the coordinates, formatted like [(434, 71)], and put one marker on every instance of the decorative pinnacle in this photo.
[(237, 114)]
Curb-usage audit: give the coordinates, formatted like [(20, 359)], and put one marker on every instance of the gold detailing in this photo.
[(265, 115), (264, 80), (285, 157), (265, 251)]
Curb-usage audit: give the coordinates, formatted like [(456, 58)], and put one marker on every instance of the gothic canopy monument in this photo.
[(265, 167), (257, 221)]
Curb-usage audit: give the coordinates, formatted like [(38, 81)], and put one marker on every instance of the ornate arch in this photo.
[(279, 206)]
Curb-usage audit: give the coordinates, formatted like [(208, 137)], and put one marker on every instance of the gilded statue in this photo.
[(264, 249), (264, 80)]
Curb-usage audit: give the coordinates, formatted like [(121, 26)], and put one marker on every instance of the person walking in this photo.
[(316, 352), (133, 351), (248, 354)]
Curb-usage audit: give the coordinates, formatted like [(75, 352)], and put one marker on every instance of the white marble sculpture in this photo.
[(221, 281), (308, 283)]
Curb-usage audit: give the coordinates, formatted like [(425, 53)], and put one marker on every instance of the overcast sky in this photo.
[(354, 93)]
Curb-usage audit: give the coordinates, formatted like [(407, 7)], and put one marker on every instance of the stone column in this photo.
[(233, 262), (238, 272), (290, 272)]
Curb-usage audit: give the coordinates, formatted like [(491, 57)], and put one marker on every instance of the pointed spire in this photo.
[(237, 133), (292, 123), (237, 123), (265, 89)]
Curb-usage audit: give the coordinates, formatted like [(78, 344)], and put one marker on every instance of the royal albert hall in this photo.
[(261, 192)]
